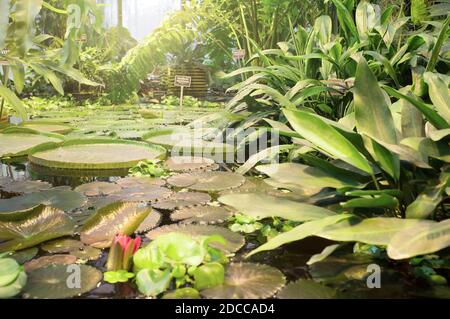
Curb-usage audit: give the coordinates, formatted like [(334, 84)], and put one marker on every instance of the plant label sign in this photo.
[(4, 52), (183, 81), (239, 54)]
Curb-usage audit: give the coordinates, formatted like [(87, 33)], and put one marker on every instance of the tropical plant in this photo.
[(12, 277), (25, 50)]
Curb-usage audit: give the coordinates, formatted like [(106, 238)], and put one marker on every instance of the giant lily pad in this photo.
[(117, 218), (201, 215), (234, 240), (131, 182), (95, 154), (143, 194), (307, 289), (189, 143), (207, 181), (61, 199), (98, 189), (25, 187), (54, 282), (151, 221), (183, 199), (15, 142), (40, 225), (183, 164), (46, 261), (248, 281), (47, 127)]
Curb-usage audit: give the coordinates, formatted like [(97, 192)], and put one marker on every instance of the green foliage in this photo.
[(181, 259), (152, 168), (12, 277)]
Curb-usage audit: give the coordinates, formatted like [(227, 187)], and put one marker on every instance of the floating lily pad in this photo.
[(183, 199), (22, 256), (182, 293), (130, 182), (15, 142), (248, 281), (307, 289), (47, 127), (25, 187), (234, 240), (52, 282), (42, 224), (207, 181), (95, 154), (184, 142), (61, 199), (151, 221), (46, 261), (201, 215), (62, 245), (119, 217), (86, 253), (183, 164), (143, 194), (98, 189)]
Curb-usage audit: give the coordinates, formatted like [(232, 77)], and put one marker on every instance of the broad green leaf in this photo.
[(388, 161), (439, 93), (323, 28), (326, 252), (372, 231), (423, 239), (366, 19), (4, 21), (345, 18), (372, 113), (388, 68), (12, 99), (427, 110), (327, 138), (268, 153), (18, 72), (439, 134), (443, 37), (24, 24), (261, 206), (389, 30), (152, 282), (427, 147), (411, 120), (209, 276), (300, 232), (378, 201), (429, 199), (306, 176)]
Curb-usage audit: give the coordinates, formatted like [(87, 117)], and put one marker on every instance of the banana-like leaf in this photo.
[(300, 232), (443, 36), (388, 68), (411, 120), (423, 239), (379, 201), (323, 27), (24, 24), (439, 93), (326, 138), (261, 206), (372, 231), (13, 101)]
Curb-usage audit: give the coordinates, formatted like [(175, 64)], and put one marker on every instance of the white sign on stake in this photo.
[(182, 81)]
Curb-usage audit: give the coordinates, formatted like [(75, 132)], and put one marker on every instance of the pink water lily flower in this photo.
[(126, 241)]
